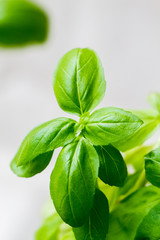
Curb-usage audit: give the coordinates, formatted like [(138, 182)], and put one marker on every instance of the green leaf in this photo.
[(152, 167), (129, 183), (45, 138), (50, 229), (135, 157), (113, 170), (53, 228), (108, 125), (110, 192), (133, 182), (73, 181), (68, 236), (96, 227), (33, 167), (78, 82), (66, 232), (149, 227), (146, 130), (137, 217), (154, 100), (22, 22)]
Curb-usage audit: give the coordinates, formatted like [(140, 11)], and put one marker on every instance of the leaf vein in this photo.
[(89, 59), (113, 162), (88, 85), (67, 95)]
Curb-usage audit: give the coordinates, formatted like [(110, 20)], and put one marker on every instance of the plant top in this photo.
[(90, 147)]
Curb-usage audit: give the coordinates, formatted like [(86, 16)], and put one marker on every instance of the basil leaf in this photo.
[(135, 212), (108, 125), (152, 167), (78, 82), (22, 22), (110, 192), (33, 167), (45, 138), (73, 182), (68, 236), (149, 227), (146, 130), (113, 170), (133, 182), (135, 157), (53, 228), (66, 232), (154, 100), (50, 228), (96, 226)]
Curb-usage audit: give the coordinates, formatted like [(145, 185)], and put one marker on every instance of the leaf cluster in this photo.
[(91, 151)]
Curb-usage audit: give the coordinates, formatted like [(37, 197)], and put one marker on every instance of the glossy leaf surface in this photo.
[(132, 215), (78, 82), (113, 170), (154, 100), (96, 226), (73, 182), (147, 129), (152, 167), (45, 138), (33, 167), (108, 125), (21, 22)]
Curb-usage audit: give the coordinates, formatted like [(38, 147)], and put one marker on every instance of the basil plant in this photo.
[(88, 151)]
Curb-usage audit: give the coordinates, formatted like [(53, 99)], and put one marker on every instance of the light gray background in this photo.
[(125, 34)]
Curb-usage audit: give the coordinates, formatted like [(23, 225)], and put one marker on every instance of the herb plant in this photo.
[(89, 185)]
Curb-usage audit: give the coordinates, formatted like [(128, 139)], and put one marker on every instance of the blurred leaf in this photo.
[(66, 232), (53, 228), (22, 22), (145, 131), (154, 100), (133, 182), (50, 229), (135, 157), (110, 192), (68, 236), (137, 216), (152, 167)]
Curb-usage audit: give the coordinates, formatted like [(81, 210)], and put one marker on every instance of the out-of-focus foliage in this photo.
[(53, 228), (135, 157), (21, 23), (152, 167), (132, 211), (137, 217), (151, 123)]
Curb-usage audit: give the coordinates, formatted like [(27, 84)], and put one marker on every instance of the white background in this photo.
[(125, 34)]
